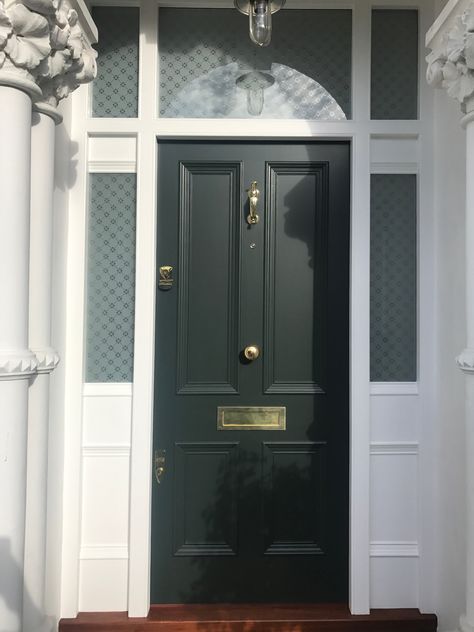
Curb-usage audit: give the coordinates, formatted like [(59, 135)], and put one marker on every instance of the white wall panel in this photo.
[(394, 582), (112, 153), (394, 496), (107, 414), (103, 585), (394, 417), (103, 578)]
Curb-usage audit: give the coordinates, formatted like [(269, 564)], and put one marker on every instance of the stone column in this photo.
[(44, 55), (19, 59), (451, 66), (41, 242)]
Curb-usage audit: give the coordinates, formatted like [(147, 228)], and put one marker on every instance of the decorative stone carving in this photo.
[(43, 45), (24, 41), (48, 360), (465, 361), (72, 60), (451, 62), (17, 365)]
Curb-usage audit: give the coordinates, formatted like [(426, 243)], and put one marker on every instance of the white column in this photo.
[(17, 363), (41, 240), (466, 363), (451, 66)]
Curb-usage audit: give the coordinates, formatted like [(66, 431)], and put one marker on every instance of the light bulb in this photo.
[(260, 17)]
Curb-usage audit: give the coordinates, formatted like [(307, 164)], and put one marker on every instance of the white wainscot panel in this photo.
[(394, 155), (394, 417), (393, 582), (394, 494), (112, 153), (107, 414), (103, 585), (105, 497)]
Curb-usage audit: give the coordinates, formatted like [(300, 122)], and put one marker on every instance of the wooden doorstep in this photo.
[(253, 618)]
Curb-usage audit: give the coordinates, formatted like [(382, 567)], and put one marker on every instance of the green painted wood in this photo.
[(252, 516)]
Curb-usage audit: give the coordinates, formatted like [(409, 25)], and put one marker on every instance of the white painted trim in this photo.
[(73, 359), (105, 451), (144, 351), (393, 388), (394, 549), (359, 557), (108, 389), (106, 166), (394, 167), (393, 448), (104, 552), (359, 130)]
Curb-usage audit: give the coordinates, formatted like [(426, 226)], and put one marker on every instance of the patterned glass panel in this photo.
[(394, 93), (210, 68), (110, 277), (393, 313), (115, 90)]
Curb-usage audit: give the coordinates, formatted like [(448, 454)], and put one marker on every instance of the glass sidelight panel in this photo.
[(394, 93), (110, 277), (209, 67), (115, 90), (393, 295)]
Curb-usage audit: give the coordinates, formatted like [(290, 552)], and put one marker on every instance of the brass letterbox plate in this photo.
[(251, 418)]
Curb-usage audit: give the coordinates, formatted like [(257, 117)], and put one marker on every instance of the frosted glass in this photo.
[(393, 279), (110, 277), (115, 90), (210, 68), (394, 93)]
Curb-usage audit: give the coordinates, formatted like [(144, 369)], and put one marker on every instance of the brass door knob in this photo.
[(252, 352)]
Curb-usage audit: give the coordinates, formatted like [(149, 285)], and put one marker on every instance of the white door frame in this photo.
[(146, 129)]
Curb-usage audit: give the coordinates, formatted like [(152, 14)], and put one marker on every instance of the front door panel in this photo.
[(253, 504)]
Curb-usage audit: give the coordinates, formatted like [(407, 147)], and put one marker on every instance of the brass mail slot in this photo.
[(251, 418)]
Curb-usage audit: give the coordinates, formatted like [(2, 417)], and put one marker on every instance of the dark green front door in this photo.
[(244, 514)]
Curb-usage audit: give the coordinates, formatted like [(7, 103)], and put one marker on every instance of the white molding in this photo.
[(394, 448), (109, 166), (108, 389), (394, 168), (394, 548), (144, 349), (106, 450), (104, 552), (393, 388)]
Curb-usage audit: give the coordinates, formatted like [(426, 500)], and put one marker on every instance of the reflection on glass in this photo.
[(255, 83), (209, 67), (282, 92)]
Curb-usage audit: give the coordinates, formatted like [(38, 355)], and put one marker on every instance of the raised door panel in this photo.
[(296, 278), (209, 216), (205, 499), (294, 512)]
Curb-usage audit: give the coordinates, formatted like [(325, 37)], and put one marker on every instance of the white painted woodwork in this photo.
[(41, 237), (454, 72), (28, 72), (391, 424), (17, 363)]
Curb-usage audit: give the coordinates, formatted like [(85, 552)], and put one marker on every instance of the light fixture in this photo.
[(260, 18), (255, 83)]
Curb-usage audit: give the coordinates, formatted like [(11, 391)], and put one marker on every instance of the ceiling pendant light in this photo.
[(260, 18)]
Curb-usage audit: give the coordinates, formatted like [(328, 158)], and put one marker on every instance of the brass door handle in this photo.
[(252, 352), (254, 195), (160, 458)]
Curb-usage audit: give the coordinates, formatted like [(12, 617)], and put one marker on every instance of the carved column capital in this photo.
[(46, 49), (451, 61)]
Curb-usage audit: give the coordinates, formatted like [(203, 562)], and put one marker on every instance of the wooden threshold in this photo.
[(253, 618)]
